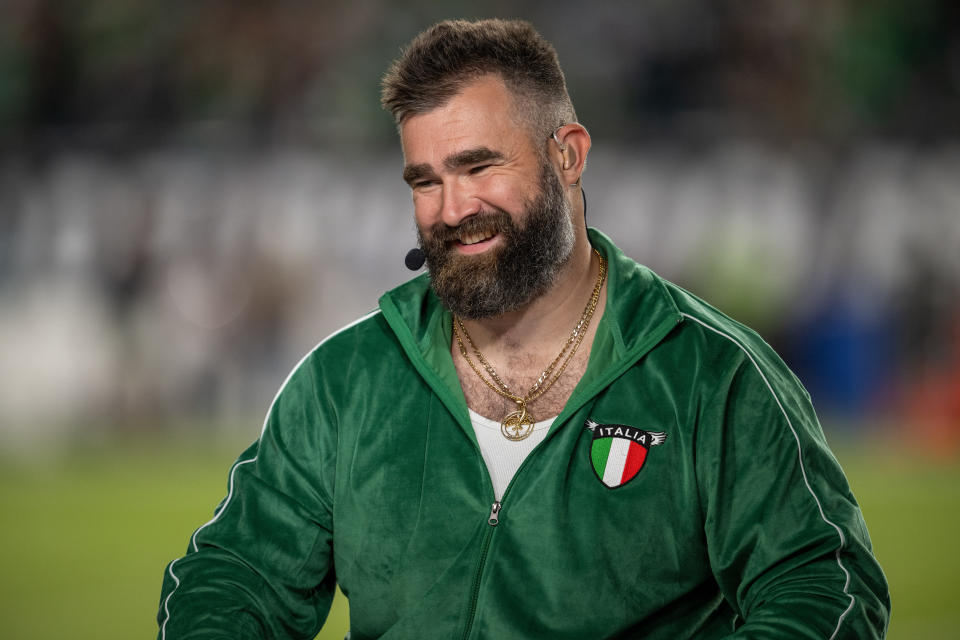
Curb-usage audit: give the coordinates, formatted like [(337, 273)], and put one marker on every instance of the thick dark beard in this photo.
[(512, 275)]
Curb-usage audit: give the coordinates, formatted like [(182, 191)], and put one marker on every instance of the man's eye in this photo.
[(477, 169), (421, 184)]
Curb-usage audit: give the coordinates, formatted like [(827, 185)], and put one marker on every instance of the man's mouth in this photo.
[(475, 237)]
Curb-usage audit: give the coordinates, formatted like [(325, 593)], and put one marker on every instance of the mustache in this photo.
[(485, 222)]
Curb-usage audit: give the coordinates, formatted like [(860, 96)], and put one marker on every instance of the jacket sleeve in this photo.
[(262, 567), (786, 538)]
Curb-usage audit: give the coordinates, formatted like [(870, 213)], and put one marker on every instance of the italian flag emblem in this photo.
[(618, 451)]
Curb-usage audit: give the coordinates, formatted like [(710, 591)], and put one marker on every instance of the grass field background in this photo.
[(85, 536)]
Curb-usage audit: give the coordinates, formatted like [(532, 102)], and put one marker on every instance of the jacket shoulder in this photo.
[(716, 332), (328, 370), (366, 335), (699, 313)]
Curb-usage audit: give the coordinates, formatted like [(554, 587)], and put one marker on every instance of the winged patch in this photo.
[(619, 451)]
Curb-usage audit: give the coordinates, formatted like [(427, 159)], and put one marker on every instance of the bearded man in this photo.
[(540, 438)]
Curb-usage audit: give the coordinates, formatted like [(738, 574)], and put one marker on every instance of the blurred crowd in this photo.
[(193, 194)]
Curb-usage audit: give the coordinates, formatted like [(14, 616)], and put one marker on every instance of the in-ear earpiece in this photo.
[(563, 150), (563, 147)]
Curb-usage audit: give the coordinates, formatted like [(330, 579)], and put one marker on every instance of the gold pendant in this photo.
[(517, 425)]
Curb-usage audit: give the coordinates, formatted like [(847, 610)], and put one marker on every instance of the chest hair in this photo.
[(520, 372)]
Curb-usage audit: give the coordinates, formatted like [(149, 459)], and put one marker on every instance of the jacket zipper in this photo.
[(494, 518), (493, 521)]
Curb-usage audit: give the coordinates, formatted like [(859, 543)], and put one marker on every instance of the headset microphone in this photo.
[(415, 258)]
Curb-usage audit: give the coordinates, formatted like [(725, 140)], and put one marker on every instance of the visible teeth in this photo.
[(474, 238)]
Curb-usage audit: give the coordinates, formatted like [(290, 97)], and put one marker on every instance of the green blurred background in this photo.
[(193, 194)]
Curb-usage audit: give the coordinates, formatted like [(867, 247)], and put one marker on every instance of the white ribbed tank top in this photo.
[(503, 457)]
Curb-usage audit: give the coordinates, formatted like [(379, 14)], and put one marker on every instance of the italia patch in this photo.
[(618, 451)]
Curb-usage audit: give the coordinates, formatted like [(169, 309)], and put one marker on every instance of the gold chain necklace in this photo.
[(518, 424)]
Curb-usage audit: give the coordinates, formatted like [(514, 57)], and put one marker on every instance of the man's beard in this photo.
[(512, 275)]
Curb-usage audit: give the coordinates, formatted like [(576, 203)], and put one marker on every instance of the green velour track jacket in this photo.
[(685, 491)]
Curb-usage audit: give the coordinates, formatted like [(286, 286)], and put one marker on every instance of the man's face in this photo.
[(491, 214)]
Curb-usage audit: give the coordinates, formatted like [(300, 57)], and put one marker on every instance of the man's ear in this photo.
[(572, 147)]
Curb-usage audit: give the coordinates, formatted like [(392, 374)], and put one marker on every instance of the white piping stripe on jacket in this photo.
[(843, 540), (226, 503)]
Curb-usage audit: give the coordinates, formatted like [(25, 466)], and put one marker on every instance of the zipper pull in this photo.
[(494, 510)]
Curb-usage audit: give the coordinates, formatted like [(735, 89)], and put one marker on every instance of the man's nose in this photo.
[(459, 202)]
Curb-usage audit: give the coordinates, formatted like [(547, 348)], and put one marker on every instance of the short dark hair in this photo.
[(442, 60)]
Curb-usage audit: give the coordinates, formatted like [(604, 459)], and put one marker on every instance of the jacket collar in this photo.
[(639, 313)]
